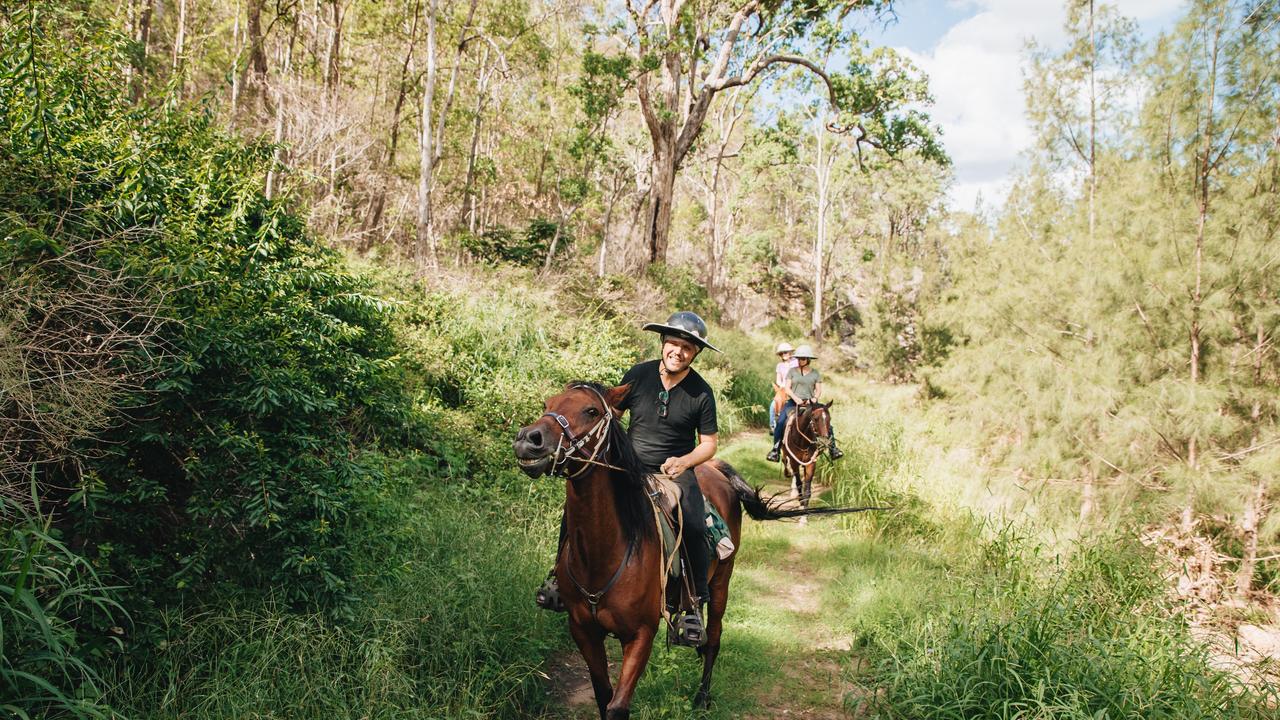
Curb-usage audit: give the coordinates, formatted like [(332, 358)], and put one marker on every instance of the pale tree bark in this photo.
[(257, 51), (180, 35), (425, 247), (725, 121), (374, 220), (333, 54), (235, 64), (1255, 503), (1202, 185), (432, 138), (277, 156), (824, 159)]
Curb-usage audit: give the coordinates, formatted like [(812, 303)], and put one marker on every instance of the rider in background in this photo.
[(785, 363), (802, 385)]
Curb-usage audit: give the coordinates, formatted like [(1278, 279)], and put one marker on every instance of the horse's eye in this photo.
[(592, 412)]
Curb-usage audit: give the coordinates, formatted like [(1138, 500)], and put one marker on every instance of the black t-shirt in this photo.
[(691, 411)]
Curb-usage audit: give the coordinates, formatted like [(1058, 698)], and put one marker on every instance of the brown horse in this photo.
[(807, 435), (611, 564)]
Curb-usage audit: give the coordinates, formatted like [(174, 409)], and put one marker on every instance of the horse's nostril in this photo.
[(534, 438)]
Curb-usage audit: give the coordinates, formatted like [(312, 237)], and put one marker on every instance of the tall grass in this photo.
[(55, 616), (1025, 635)]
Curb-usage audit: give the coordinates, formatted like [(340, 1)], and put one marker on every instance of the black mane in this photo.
[(635, 512)]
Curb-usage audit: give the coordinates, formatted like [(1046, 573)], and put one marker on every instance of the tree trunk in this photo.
[(402, 91), (257, 54), (1249, 529), (822, 173), (180, 37), (1253, 507), (604, 235), (1202, 180), (277, 155), (482, 93), (142, 36), (662, 190), (235, 64), (425, 248), (334, 53)]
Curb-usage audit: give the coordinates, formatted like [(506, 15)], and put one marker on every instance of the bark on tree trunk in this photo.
[(235, 64), (822, 172), (425, 247), (1249, 528), (661, 196)]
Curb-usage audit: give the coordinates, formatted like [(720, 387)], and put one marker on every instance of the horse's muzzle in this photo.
[(532, 453)]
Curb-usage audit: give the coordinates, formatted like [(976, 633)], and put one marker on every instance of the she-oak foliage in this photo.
[(243, 462)]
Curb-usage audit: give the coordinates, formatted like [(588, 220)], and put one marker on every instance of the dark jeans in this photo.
[(782, 420), (694, 510), (782, 423)]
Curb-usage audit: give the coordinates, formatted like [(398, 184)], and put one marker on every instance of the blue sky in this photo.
[(973, 52)]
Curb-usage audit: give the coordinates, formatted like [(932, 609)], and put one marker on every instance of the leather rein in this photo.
[(794, 422)]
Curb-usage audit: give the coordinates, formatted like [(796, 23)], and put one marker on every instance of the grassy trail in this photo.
[(795, 601)]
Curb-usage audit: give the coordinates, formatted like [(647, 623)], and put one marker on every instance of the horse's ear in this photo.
[(615, 395), (829, 404)]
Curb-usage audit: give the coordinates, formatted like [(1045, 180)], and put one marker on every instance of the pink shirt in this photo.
[(784, 367)]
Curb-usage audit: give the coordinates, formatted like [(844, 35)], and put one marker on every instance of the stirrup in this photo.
[(688, 630), (548, 596)]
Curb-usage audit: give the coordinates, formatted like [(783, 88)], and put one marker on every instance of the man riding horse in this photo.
[(673, 428)]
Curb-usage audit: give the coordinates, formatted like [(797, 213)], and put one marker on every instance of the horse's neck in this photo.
[(591, 519)]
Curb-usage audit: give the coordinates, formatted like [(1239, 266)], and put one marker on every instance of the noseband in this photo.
[(569, 446)]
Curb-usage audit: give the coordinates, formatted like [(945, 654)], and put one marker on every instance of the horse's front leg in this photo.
[(635, 656), (590, 642)]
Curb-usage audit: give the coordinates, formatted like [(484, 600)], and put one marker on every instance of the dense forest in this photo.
[(279, 281)]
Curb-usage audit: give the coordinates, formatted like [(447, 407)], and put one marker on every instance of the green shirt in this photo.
[(803, 384)]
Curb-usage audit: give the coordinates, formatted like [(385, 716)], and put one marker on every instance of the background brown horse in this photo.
[(609, 569), (808, 434)]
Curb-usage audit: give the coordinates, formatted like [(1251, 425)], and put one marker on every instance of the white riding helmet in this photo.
[(804, 351), (783, 347)]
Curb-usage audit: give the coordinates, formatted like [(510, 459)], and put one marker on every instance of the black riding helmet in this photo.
[(686, 325)]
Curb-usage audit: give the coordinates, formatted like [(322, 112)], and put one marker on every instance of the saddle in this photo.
[(666, 496)]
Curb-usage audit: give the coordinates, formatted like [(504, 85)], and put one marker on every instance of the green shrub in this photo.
[(236, 467), (55, 618)]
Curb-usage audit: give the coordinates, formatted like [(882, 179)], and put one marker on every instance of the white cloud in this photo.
[(975, 72)]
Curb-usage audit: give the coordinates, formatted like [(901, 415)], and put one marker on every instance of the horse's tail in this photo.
[(760, 507)]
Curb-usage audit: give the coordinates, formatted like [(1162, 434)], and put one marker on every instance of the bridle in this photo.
[(569, 446), (817, 442)]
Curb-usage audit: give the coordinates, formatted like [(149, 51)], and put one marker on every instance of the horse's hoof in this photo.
[(702, 700), (804, 520)]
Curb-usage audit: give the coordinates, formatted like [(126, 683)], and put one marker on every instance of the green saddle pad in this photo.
[(717, 532)]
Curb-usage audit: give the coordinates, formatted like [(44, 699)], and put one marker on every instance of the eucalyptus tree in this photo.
[(686, 52)]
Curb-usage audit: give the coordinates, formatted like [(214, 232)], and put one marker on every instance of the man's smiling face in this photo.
[(677, 353)]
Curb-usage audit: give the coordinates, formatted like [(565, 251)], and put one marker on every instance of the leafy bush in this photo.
[(1028, 636), (528, 248), (54, 614), (238, 463)]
